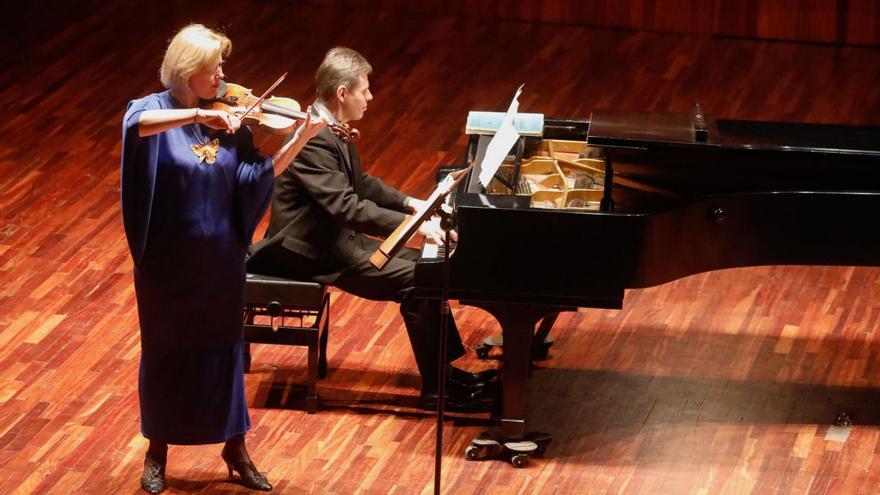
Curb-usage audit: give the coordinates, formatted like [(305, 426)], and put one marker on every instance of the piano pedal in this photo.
[(540, 351), (485, 347)]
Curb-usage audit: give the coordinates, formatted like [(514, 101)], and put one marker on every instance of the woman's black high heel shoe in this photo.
[(153, 479), (247, 472)]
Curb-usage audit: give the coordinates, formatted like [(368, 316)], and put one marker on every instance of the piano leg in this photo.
[(510, 437), (515, 368)]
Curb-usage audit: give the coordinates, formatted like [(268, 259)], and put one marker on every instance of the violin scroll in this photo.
[(345, 132)]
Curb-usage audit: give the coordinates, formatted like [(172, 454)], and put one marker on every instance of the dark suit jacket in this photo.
[(320, 205)]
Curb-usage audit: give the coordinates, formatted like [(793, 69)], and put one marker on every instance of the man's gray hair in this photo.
[(341, 67)]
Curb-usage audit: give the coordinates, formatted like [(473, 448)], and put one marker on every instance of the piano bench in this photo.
[(299, 314)]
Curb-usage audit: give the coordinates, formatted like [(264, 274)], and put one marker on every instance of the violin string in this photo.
[(262, 97)]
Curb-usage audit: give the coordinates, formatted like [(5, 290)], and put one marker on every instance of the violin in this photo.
[(274, 115)]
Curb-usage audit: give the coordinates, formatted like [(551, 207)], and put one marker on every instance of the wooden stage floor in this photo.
[(720, 383)]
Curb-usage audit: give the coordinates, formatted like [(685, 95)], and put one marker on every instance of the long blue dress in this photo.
[(188, 225)]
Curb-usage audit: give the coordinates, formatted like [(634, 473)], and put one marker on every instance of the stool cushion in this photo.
[(291, 294)]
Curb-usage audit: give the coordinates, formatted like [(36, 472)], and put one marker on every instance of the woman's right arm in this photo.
[(155, 121)]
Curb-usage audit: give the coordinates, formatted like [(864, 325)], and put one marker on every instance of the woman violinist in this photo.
[(194, 188)]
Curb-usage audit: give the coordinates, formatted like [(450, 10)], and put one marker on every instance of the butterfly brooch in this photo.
[(207, 152)]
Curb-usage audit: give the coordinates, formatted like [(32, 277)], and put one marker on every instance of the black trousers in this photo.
[(393, 283)]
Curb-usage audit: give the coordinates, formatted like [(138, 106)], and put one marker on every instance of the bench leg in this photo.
[(246, 354), (323, 330), (246, 346), (316, 337), (312, 393)]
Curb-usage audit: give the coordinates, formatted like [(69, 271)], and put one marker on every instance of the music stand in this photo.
[(391, 246), (504, 136)]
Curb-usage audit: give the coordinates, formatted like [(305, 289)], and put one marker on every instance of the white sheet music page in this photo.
[(442, 189), (500, 145)]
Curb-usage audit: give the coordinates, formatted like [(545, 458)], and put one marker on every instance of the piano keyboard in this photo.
[(430, 250)]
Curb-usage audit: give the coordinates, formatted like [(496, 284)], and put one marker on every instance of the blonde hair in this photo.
[(193, 49), (341, 67)]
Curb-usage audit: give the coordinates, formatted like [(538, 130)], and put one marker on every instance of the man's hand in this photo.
[(413, 204), (431, 229)]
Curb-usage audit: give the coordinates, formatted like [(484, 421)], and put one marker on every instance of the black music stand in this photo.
[(447, 223), (391, 246)]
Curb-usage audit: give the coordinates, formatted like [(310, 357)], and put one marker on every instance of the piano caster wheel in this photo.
[(483, 448), (474, 453), (520, 452), (520, 460)]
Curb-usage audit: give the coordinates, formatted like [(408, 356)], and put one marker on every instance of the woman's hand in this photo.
[(218, 119), (307, 130), (310, 127)]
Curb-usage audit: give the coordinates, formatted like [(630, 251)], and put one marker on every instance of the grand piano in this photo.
[(631, 200)]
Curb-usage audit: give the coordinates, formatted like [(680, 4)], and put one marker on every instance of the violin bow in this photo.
[(263, 96)]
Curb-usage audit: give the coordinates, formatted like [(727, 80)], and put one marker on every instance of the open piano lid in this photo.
[(639, 130)]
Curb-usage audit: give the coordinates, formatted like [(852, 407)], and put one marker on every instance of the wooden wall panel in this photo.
[(862, 22), (804, 20), (686, 16), (678, 16), (823, 21)]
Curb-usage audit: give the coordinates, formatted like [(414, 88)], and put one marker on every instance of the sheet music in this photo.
[(504, 139), (430, 250), (442, 189), (486, 123)]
